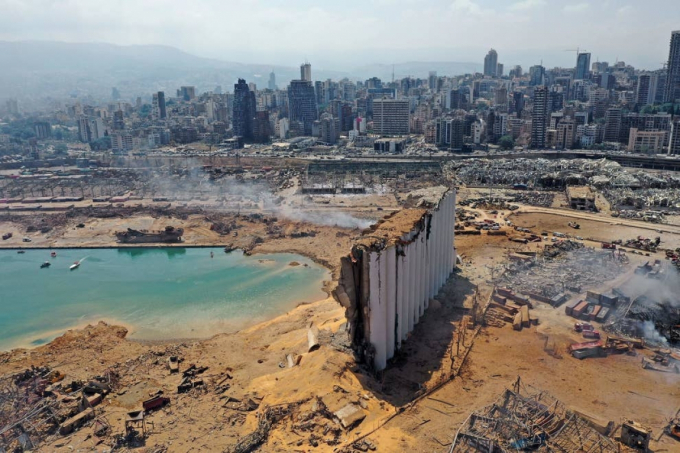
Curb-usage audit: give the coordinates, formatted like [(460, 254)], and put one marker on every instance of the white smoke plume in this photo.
[(245, 195)]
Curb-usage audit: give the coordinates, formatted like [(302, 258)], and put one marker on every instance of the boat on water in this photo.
[(21, 252), (45, 264), (75, 265), (53, 254)]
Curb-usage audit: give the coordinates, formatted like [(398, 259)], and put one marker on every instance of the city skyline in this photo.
[(373, 32)]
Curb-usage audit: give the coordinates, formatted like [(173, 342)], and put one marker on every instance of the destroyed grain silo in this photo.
[(391, 274)]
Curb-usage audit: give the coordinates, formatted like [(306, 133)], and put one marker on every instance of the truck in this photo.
[(592, 334), (583, 326)]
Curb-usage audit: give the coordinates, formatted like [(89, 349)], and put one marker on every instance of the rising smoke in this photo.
[(242, 195), (655, 307)]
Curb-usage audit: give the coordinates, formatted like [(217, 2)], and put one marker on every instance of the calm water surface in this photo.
[(161, 293)]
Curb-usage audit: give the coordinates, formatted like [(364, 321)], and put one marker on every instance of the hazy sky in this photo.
[(348, 33)]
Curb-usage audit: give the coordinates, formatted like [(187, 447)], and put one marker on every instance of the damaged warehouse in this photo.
[(392, 272)]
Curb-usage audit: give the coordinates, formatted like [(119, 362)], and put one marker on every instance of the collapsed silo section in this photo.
[(392, 272)]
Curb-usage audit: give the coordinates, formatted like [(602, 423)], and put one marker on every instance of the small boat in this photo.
[(53, 254), (212, 254), (21, 252), (75, 265), (45, 264)]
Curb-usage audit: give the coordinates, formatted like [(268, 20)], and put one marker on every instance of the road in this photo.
[(664, 228)]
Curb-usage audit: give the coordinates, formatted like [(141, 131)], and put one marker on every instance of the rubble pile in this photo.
[(563, 266), (39, 404), (641, 243), (533, 198), (489, 203), (624, 188)]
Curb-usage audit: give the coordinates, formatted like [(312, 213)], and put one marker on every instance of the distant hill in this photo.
[(56, 69), (35, 70)]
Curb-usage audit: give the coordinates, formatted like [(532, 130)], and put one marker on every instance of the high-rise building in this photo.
[(12, 107), (582, 66), (90, 129), (42, 130), (518, 103), (537, 75), (449, 133), (674, 143), (302, 104), (158, 111), (491, 63), (391, 116), (118, 120), (306, 72), (539, 117), (115, 94), (612, 124), (501, 98), (186, 93), (262, 130), (673, 69), (600, 66), (661, 75), (432, 81), (272, 81), (566, 133), (499, 70), (243, 110), (646, 89), (329, 129)]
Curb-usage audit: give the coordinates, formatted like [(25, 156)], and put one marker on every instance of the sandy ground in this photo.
[(599, 230), (612, 388)]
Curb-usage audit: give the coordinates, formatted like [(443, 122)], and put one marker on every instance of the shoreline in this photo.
[(112, 322)]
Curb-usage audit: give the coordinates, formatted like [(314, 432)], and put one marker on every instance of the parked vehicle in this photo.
[(26, 239), (6, 236), (594, 334), (583, 326)]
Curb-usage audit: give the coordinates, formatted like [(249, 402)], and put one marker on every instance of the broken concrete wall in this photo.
[(386, 283)]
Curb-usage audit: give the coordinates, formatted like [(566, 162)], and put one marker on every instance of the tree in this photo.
[(506, 142)]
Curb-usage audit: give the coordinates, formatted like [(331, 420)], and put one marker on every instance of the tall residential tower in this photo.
[(672, 93), (491, 63), (539, 117)]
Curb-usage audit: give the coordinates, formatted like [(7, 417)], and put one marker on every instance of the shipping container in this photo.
[(595, 312), (609, 299), (593, 297), (570, 307), (505, 292), (602, 315), (580, 309)]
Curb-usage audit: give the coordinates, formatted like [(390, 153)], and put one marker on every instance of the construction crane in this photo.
[(578, 50)]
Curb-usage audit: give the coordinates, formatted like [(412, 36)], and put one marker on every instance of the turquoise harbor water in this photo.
[(160, 293)]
